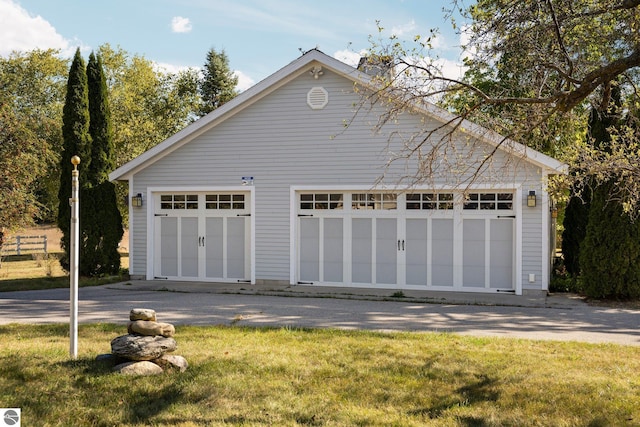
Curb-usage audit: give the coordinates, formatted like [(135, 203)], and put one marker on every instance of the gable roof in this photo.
[(291, 71)]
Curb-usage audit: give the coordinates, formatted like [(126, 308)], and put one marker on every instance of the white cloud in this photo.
[(451, 69), (404, 29), (19, 31), (349, 57), (170, 68), (465, 38), (181, 25), (244, 81)]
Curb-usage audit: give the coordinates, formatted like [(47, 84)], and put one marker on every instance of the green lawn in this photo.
[(264, 377), (39, 271)]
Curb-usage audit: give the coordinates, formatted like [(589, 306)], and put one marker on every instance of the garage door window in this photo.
[(224, 201), (427, 201), (179, 201), (321, 201), (376, 201), (489, 201)]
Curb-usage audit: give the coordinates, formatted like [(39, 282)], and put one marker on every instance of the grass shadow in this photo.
[(482, 389)]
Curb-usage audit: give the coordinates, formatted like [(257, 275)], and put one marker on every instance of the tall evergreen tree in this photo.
[(576, 215), (218, 84), (100, 218), (76, 141), (610, 252), (576, 218), (102, 146)]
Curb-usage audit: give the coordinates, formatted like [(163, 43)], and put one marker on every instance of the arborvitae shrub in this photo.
[(610, 253)]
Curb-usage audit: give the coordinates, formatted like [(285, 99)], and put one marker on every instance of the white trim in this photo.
[(518, 202), (150, 235), (199, 189), (130, 208), (293, 227), (458, 242), (546, 242)]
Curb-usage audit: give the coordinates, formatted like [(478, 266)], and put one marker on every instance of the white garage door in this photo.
[(202, 236), (407, 240)]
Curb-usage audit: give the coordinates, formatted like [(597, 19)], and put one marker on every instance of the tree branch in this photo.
[(599, 77), (623, 5), (557, 31)]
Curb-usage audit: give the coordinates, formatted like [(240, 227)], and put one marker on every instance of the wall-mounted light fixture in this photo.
[(136, 201), (531, 199)]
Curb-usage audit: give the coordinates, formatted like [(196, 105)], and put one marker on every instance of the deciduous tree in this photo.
[(32, 86), (20, 159), (534, 71), (148, 105)]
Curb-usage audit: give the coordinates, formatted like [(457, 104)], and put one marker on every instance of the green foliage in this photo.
[(100, 219), (101, 231), (87, 133), (147, 106), (32, 88), (576, 218), (610, 254), (219, 82), (20, 160), (102, 148), (77, 141)]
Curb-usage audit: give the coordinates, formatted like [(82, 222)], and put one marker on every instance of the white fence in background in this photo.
[(20, 245)]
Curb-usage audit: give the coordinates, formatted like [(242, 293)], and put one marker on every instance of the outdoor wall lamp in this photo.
[(136, 201), (531, 199)]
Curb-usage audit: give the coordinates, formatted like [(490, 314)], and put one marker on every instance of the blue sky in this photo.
[(259, 36)]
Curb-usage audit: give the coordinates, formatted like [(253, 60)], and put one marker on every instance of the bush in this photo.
[(562, 280)]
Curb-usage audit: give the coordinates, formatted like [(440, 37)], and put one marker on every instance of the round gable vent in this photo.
[(317, 98)]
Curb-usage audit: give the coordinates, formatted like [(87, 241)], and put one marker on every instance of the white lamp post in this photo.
[(74, 201)]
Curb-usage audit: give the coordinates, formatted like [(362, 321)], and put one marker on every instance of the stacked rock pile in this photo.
[(143, 351)]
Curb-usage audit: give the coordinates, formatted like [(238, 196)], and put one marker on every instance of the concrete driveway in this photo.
[(555, 318)]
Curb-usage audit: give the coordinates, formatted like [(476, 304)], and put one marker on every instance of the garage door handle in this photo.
[(401, 245), (203, 241)]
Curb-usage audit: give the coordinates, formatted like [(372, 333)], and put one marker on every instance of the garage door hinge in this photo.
[(160, 214), (304, 215)]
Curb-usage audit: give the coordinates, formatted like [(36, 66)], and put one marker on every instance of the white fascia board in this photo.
[(548, 164)]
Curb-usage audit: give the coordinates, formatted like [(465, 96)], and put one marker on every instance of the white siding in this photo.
[(281, 141)]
